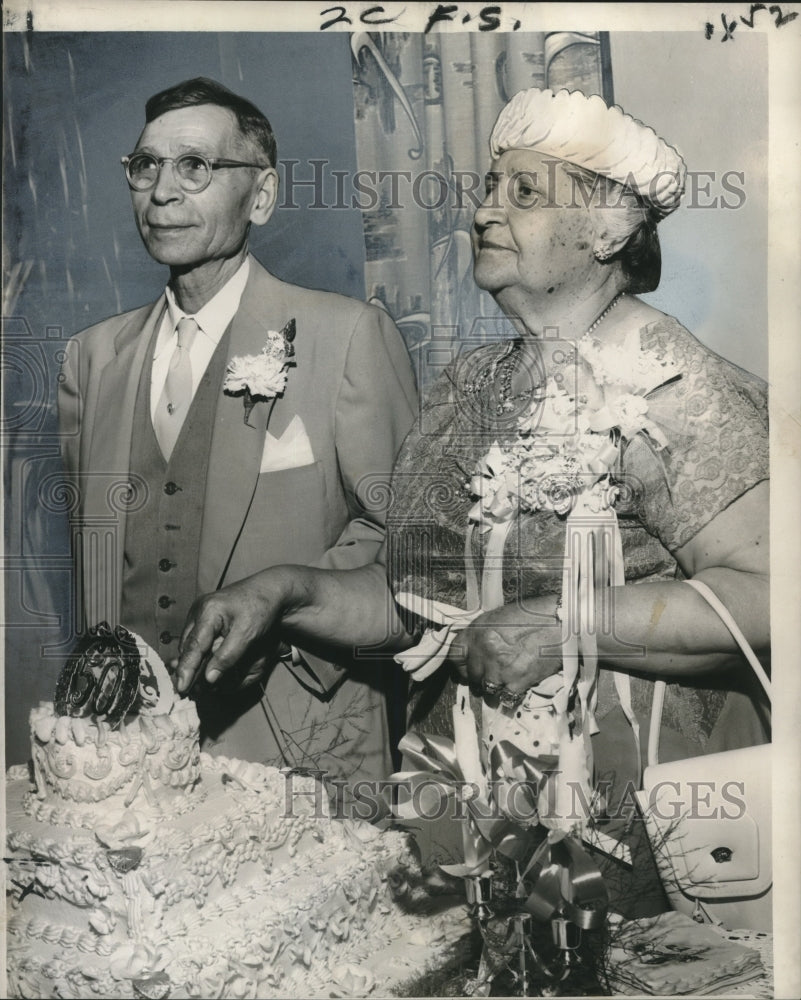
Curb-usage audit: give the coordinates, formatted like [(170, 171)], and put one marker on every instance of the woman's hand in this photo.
[(662, 628), (510, 649)]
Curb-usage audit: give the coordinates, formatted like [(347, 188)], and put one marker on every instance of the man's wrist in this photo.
[(296, 585)]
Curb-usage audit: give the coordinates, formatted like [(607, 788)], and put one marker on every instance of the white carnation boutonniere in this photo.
[(264, 375)]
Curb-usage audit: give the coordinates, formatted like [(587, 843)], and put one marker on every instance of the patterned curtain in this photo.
[(424, 108)]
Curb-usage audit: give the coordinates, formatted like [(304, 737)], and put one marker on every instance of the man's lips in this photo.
[(486, 245), (161, 227)]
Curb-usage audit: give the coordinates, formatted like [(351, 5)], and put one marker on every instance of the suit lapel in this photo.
[(236, 446), (106, 479)]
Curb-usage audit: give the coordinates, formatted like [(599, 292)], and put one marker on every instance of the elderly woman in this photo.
[(602, 447), (564, 239)]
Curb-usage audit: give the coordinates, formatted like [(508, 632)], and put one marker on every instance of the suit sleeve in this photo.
[(376, 408), (69, 410)]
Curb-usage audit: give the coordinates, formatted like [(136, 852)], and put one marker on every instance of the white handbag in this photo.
[(709, 818)]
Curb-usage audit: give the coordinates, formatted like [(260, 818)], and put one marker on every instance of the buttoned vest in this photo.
[(162, 536)]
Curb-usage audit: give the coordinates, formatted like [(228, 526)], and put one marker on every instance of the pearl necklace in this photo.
[(503, 369), (604, 314)]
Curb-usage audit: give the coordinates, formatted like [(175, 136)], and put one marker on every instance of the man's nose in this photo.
[(166, 188)]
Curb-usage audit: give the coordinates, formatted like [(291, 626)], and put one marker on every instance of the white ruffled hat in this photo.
[(585, 131)]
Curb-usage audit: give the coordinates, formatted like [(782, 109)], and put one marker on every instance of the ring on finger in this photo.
[(511, 699), (492, 689)]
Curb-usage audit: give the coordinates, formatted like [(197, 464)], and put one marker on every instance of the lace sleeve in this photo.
[(716, 421)]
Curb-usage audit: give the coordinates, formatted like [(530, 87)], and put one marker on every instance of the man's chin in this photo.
[(170, 256)]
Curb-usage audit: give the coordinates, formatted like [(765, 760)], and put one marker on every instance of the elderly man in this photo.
[(224, 477)]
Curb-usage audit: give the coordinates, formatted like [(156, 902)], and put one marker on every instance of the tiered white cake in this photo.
[(141, 867)]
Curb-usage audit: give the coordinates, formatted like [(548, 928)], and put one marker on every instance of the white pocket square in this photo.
[(290, 451)]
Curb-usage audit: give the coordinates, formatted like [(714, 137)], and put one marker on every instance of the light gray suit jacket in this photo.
[(353, 389)]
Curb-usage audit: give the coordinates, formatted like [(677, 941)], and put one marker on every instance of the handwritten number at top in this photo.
[(780, 19)]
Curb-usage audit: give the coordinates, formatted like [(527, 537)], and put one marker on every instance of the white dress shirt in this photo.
[(212, 319)]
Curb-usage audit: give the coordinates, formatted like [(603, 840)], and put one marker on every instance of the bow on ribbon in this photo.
[(439, 773), (522, 784), (432, 650), (552, 789), (567, 883)]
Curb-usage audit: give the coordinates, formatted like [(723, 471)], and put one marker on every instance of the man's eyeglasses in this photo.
[(193, 171)]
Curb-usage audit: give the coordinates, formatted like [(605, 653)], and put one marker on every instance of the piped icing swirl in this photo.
[(147, 760)]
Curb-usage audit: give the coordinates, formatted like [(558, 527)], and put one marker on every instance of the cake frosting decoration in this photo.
[(140, 867)]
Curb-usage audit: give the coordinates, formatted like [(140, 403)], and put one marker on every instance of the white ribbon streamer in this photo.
[(492, 577), (465, 740), (432, 650)]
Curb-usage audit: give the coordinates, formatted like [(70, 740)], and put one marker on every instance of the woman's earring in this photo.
[(603, 251)]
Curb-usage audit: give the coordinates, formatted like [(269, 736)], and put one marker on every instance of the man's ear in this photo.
[(266, 196)]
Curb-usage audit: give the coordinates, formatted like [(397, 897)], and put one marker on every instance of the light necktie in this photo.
[(176, 397)]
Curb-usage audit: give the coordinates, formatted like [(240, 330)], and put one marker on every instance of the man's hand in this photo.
[(230, 628)]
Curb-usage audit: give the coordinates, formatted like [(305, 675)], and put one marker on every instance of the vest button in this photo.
[(165, 638), (164, 601), (171, 487), (165, 565)]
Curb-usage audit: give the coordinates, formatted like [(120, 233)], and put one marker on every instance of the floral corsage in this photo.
[(264, 375)]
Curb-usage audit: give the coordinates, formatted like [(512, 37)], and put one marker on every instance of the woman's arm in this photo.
[(295, 604), (662, 628)]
